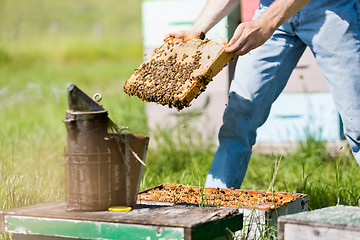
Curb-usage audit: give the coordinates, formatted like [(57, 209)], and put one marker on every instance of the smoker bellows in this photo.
[(178, 71)]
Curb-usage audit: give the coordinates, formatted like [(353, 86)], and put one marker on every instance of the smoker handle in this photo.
[(69, 120)]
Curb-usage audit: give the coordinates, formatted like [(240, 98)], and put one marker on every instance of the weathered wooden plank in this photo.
[(179, 216), (143, 222)]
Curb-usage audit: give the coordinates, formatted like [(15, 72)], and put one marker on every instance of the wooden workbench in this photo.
[(148, 222)]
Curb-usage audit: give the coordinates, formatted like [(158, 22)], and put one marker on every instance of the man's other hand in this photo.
[(248, 36)]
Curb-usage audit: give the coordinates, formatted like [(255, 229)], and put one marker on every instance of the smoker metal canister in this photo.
[(88, 161)]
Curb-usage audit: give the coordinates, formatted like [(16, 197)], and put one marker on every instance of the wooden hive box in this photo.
[(331, 223), (261, 209), (178, 71)]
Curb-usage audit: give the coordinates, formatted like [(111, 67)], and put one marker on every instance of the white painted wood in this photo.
[(161, 17), (294, 116), (304, 232)]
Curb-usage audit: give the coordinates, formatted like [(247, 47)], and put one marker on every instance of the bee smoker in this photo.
[(101, 167)]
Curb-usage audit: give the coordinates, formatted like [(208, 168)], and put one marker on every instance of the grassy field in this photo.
[(45, 45)]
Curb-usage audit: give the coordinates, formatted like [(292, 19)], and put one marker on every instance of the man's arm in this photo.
[(212, 13), (250, 35)]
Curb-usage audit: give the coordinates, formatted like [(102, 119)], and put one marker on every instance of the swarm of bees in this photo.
[(174, 193), (178, 71)]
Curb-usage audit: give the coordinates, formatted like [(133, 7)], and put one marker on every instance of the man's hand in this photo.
[(184, 34), (248, 36)]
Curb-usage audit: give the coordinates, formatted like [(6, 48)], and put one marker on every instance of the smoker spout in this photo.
[(80, 102)]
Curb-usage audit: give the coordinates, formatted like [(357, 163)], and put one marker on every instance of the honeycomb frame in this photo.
[(178, 71)]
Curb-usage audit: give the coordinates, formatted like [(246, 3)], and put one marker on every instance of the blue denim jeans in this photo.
[(331, 29)]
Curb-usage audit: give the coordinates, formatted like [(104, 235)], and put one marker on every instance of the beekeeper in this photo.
[(271, 46)]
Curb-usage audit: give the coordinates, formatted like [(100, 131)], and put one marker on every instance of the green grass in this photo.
[(35, 67), (45, 45)]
